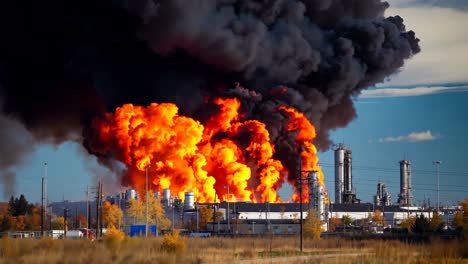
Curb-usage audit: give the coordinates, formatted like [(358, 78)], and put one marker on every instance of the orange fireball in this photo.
[(184, 155)]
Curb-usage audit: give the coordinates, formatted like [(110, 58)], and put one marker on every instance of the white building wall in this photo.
[(271, 215)]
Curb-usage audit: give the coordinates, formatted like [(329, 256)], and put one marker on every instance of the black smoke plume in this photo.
[(63, 62)]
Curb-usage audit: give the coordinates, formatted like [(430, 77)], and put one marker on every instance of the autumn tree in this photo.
[(58, 223), (156, 213), (312, 226), (81, 219), (436, 223), (464, 204), (379, 217), (5, 222), (111, 214), (206, 215), (335, 221), (408, 223), (35, 218), (458, 221)]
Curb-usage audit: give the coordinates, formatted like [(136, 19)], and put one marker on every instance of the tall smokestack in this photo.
[(339, 173), (406, 197)]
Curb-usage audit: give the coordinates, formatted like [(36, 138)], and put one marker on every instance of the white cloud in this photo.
[(457, 4), (415, 91), (411, 137), (444, 46)]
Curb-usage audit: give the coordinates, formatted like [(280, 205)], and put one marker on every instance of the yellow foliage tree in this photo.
[(465, 214), (59, 223), (379, 218), (408, 223), (312, 226), (436, 223), (334, 221), (111, 214), (156, 213), (206, 215), (458, 220)]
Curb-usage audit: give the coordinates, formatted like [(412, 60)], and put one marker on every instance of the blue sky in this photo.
[(418, 114)]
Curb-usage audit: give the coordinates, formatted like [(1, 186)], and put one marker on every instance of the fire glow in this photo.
[(186, 155)]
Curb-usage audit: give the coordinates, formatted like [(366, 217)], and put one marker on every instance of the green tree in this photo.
[(347, 220), (312, 225), (421, 225), (19, 206), (436, 223)]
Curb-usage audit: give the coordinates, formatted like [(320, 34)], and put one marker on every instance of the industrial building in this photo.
[(382, 197), (406, 196), (284, 218), (344, 193)]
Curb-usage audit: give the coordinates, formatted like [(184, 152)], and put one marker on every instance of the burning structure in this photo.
[(317, 195), (143, 82), (406, 196), (343, 176)]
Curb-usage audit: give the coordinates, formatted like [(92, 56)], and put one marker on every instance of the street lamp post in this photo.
[(146, 202), (437, 164), (300, 198)]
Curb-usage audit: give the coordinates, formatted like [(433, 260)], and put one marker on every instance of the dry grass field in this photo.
[(228, 250)]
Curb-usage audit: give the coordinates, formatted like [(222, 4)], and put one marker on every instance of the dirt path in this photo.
[(297, 259)]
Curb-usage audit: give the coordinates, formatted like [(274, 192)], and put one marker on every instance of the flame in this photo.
[(304, 139), (224, 154)]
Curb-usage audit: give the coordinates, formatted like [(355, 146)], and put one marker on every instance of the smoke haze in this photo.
[(64, 63)]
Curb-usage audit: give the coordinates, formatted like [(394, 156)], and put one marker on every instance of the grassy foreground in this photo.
[(227, 250)]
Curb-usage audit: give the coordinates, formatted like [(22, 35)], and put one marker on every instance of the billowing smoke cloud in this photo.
[(15, 144), (67, 62)]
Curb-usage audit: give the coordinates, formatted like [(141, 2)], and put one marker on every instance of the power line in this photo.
[(393, 170)]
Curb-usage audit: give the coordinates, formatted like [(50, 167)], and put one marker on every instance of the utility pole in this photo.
[(87, 210), (228, 210), (44, 201), (437, 164), (100, 208), (300, 171), (65, 222), (98, 203), (173, 208), (146, 202), (268, 207)]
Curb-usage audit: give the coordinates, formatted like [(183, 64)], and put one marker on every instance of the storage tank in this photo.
[(339, 174), (166, 194), (130, 194), (189, 202)]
